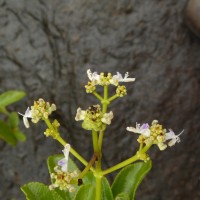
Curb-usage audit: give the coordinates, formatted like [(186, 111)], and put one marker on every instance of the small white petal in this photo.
[(162, 146), (66, 150), (126, 79), (144, 129), (131, 129), (93, 76), (172, 137), (26, 123), (64, 162), (89, 73), (80, 114), (146, 132), (28, 114), (107, 117), (172, 142)]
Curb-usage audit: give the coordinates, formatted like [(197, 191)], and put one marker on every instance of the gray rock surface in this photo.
[(46, 48)]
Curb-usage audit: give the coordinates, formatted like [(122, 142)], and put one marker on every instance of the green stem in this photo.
[(95, 141), (105, 99), (120, 165), (63, 142), (126, 162), (97, 174), (98, 187), (113, 98), (141, 145), (97, 145), (97, 95), (100, 140)]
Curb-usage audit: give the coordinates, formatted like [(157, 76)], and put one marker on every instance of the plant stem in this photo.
[(88, 167), (98, 187), (120, 165), (100, 140), (97, 96), (113, 98), (95, 141), (105, 101), (63, 142), (126, 162)]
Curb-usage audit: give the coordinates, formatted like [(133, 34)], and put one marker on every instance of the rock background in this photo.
[(46, 48)]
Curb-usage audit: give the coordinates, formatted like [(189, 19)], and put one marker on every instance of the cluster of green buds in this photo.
[(63, 180), (93, 118), (39, 111), (53, 130), (105, 79), (155, 134)]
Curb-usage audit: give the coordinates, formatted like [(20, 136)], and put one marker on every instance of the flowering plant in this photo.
[(67, 181)]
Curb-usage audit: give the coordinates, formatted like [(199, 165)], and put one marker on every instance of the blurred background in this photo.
[(46, 46)]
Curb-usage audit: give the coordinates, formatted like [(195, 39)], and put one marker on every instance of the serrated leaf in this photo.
[(129, 178), (85, 192), (10, 97), (6, 134), (39, 191)]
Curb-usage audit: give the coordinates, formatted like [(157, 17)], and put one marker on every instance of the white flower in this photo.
[(144, 129), (80, 114), (107, 117), (28, 114), (172, 137), (118, 78), (94, 77), (64, 162)]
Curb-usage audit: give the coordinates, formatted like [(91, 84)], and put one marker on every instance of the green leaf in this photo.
[(89, 178), (10, 97), (13, 119), (129, 178), (39, 191), (6, 134), (106, 190), (122, 196), (85, 192)]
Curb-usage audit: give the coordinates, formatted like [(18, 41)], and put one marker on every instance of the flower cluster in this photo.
[(53, 131), (121, 91), (62, 178), (105, 79), (93, 118), (39, 110), (155, 134)]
